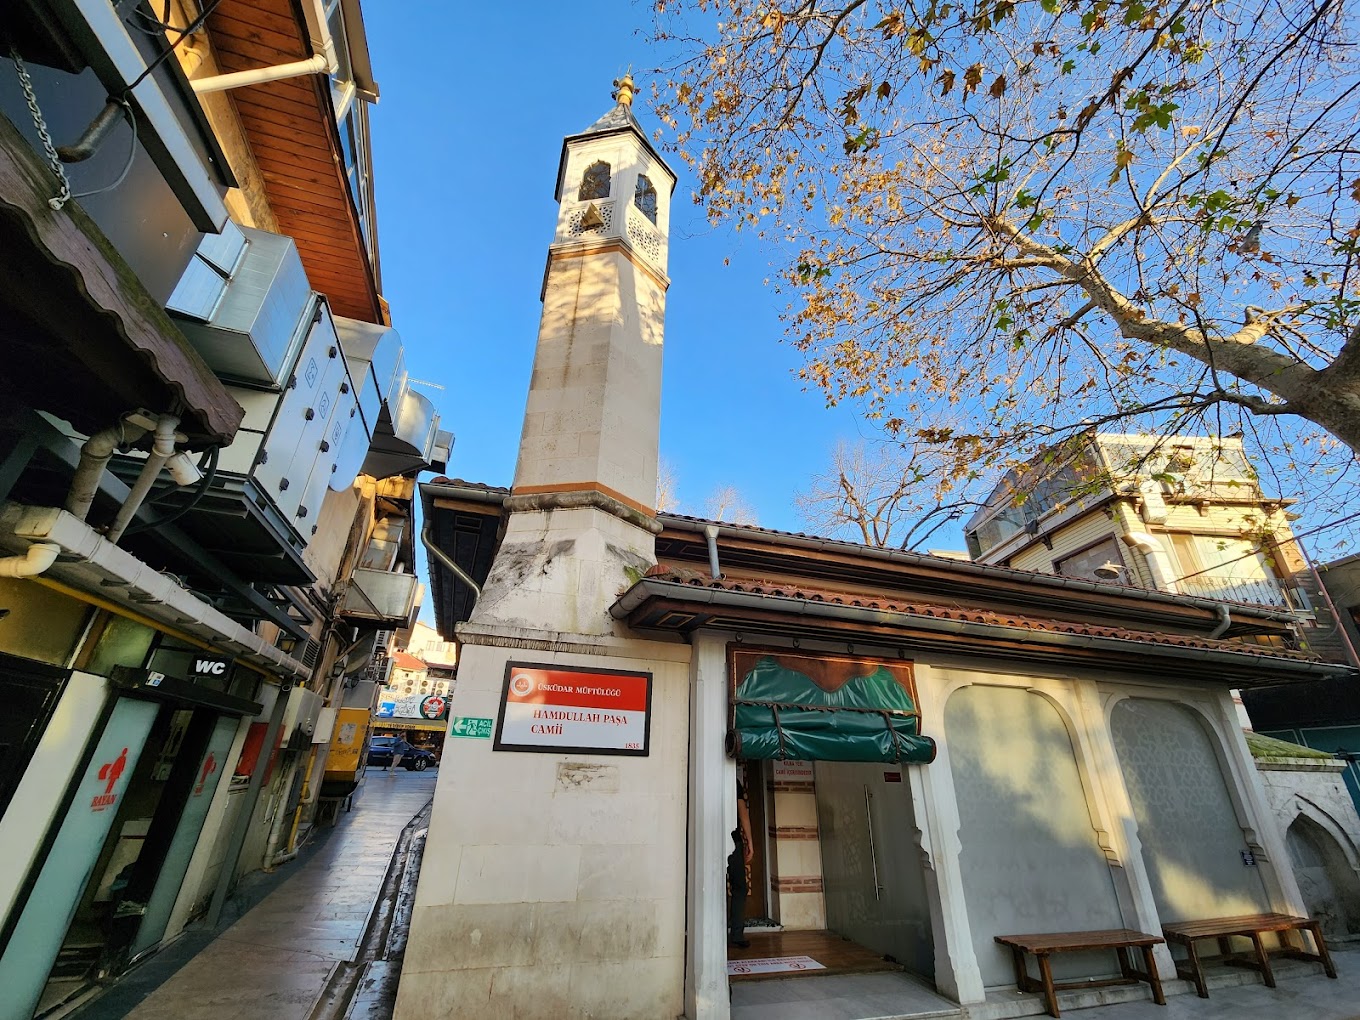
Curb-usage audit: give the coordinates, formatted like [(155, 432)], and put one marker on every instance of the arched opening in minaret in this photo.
[(595, 181), (645, 197)]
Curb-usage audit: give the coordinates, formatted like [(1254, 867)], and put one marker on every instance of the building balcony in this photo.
[(381, 598), (1253, 591)]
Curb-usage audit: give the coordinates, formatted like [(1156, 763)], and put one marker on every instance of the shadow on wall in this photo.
[(1030, 858), (1193, 843)]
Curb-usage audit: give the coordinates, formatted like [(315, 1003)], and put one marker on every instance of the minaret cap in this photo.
[(624, 89)]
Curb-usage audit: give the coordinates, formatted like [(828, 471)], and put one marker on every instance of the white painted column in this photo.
[(712, 817), (1136, 899), (1260, 830), (957, 974)]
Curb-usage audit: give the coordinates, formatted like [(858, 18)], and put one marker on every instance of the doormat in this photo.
[(772, 965)]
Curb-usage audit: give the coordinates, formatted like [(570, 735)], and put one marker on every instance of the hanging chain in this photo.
[(26, 83)]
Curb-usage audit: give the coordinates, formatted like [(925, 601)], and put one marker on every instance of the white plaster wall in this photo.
[(554, 885), (1313, 797)]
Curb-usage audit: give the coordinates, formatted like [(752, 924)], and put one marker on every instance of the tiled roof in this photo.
[(404, 660), (962, 614), (484, 486)]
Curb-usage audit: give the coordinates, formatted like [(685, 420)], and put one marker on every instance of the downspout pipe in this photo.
[(94, 458), (711, 533), (259, 75), (427, 540), (1224, 621), (162, 449), (1159, 564), (38, 558)]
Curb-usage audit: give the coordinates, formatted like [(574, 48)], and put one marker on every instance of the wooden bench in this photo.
[(1251, 926), (1041, 947)]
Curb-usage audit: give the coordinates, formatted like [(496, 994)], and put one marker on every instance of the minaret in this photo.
[(582, 519)]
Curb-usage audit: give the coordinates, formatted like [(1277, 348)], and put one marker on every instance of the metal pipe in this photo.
[(88, 143), (162, 449), (256, 76), (711, 533), (1224, 622), (452, 567), (1159, 564)]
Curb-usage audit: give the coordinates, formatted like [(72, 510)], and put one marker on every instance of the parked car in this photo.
[(417, 759)]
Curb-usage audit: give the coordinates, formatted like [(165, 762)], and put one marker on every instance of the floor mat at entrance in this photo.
[(772, 965)]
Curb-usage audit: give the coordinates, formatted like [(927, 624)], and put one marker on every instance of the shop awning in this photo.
[(852, 711)]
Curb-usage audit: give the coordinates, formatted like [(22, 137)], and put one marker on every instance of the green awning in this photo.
[(781, 713)]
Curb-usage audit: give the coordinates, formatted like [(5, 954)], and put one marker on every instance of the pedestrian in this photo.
[(398, 746), (743, 849)]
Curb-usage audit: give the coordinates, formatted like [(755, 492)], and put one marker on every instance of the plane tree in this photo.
[(1004, 222)]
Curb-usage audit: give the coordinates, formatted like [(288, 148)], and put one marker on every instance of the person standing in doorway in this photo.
[(743, 848)]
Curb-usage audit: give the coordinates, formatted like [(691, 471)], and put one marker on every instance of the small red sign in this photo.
[(109, 773), (892, 777), (209, 767)]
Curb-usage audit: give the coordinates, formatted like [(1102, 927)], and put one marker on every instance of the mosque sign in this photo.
[(569, 708)]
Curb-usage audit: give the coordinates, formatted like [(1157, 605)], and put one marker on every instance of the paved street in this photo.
[(275, 961)]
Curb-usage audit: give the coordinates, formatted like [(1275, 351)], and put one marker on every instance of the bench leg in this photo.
[(1150, 968), (1262, 959), (1021, 975), (1046, 976), (1196, 971), (1316, 930)]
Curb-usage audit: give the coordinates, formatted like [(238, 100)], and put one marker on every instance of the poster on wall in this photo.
[(571, 708)]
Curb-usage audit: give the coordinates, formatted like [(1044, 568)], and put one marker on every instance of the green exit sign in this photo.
[(471, 726)]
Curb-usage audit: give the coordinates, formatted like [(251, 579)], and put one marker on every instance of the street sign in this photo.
[(471, 726)]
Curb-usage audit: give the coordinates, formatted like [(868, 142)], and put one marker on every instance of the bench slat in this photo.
[(1243, 924), (1071, 941)]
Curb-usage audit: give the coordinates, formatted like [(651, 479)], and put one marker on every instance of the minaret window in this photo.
[(645, 197), (595, 181)]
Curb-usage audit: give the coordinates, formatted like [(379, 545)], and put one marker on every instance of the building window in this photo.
[(1085, 562), (595, 181), (645, 197)]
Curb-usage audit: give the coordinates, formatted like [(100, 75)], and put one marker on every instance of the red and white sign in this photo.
[(109, 774), (562, 708)]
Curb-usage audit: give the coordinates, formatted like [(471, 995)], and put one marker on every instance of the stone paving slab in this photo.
[(274, 962)]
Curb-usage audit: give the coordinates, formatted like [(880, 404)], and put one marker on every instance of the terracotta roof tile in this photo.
[(963, 614)]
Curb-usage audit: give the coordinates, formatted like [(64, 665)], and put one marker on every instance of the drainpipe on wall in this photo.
[(94, 457), (1224, 622), (1163, 574), (427, 540), (162, 449), (711, 533)]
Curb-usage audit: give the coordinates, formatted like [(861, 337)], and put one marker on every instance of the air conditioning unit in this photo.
[(242, 302)]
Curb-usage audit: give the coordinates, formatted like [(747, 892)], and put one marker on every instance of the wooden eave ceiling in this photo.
[(295, 141)]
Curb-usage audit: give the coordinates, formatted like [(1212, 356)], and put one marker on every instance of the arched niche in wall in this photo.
[(1198, 861), (1030, 857), (1326, 875)]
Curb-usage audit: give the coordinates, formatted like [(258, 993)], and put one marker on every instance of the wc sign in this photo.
[(208, 667)]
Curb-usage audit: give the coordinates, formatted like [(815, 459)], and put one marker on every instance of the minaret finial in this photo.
[(624, 88)]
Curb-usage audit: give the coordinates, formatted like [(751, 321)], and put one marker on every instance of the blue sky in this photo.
[(466, 141)]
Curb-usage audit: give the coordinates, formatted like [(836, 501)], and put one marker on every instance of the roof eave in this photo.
[(1232, 668)]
